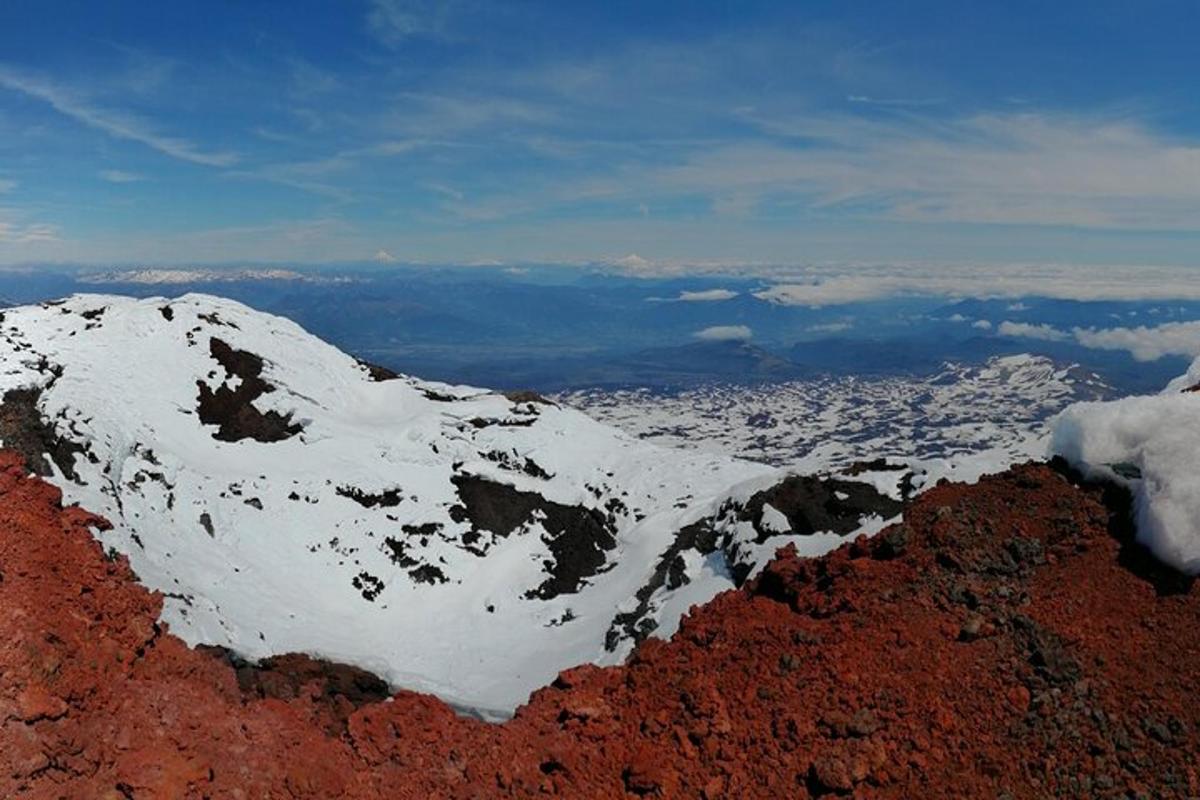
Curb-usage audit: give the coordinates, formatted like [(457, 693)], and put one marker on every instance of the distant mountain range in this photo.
[(162, 276), (559, 330)]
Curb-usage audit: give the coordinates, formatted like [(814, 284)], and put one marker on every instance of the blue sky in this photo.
[(683, 132)]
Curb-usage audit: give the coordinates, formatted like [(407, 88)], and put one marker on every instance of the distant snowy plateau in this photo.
[(285, 497), (963, 422)]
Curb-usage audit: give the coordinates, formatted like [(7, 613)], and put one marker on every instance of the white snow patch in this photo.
[(775, 521), (1159, 435)]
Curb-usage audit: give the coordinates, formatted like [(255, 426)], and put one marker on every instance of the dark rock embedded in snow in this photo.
[(813, 504), (23, 429), (233, 410), (578, 537)]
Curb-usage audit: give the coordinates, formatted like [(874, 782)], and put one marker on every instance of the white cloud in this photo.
[(999, 168), (1018, 306), (633, 263), (982, 324), (114, 123), (393, 21), (830, 327), (1041, 169), (120, 176), (899, 102), (383, 257), (707, 296), (1027, 330), (833, 291), (725, 333), (1145, 344), (956, 318), (851, 283), (13, 233)]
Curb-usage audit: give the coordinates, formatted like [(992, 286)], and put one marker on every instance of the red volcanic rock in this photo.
[(1007, 640)]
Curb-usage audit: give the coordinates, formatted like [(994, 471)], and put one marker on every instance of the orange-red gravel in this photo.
[(1005, 641)]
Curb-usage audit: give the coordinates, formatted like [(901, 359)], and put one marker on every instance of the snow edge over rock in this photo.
[(1148, 444)]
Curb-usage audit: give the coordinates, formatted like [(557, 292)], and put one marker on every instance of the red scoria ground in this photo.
[(1006, 641)]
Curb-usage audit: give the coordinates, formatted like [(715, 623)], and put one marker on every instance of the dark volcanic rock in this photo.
[(578, 537), (232, 410), (813, 504), (529, 396), (378, 373), (24, 430), (387, 498), (342, 689)]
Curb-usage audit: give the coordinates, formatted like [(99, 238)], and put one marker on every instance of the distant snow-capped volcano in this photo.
[(285, 497)]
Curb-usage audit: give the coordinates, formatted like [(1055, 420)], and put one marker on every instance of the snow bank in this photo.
[(1159, 435)]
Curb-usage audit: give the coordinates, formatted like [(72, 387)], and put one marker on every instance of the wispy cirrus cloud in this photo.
[(117, 124), (120, 176), (36, 233), (393, 21), (894, 102), (1001, 168)]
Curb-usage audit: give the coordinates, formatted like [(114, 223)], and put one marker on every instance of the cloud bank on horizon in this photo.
[(412, 131), (1144, 342)]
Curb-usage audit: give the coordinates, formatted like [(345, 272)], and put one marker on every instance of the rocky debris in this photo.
[(514, 462), (873, 465), (840, 676), (232, 410), (528, 396), (24, 430), (479, 423), (386, 498), (341, 688)]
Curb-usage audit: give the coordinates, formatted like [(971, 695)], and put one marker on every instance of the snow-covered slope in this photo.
[(963, 422), (1149, 443), (286, 498)]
